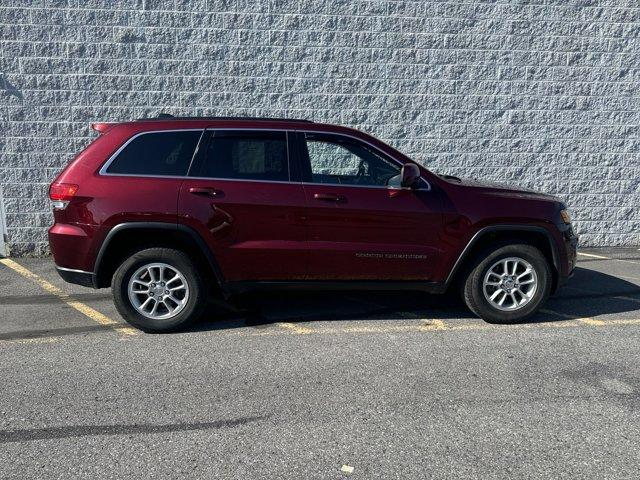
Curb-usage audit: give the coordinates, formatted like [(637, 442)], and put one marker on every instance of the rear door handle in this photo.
[(330, 197), (208, 192)]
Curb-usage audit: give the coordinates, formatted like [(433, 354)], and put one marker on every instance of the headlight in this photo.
[(564, 215)]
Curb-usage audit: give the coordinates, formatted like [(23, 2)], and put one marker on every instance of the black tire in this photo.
[(474, 296), (195, 303)]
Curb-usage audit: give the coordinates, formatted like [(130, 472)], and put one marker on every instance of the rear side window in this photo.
[(157, 153), (242, 155)]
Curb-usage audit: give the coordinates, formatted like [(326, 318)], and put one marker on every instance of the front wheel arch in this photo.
[(493, 235), (474, 286)]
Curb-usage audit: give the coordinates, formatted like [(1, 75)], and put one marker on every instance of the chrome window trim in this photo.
[(385, 187), (114, 155), (103, 170)]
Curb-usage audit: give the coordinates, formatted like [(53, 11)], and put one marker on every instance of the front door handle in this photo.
[(209, 192), (330, 197)]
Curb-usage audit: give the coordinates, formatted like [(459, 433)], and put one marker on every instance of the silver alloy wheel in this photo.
[(510, 284), (158, 291)]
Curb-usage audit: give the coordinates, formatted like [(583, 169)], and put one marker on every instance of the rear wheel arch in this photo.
[(126, 238), (499, 235), (159, 307)]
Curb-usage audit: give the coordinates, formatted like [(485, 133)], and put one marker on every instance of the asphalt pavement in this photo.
[(327, 385)]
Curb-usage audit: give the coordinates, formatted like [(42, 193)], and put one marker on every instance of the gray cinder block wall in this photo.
[(541, 93)]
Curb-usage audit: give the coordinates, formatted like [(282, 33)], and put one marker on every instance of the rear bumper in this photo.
[(71, 245), (79, 277)]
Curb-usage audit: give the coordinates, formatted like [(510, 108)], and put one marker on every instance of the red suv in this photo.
[(168, 211)]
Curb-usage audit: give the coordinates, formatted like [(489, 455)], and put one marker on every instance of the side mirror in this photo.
[(410, 174)]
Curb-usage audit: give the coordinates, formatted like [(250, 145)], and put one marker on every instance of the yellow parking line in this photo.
[(619, 297), (625, 261), (591, 255), (300, 330), (79, 306), (600, 257), (372, 329), (584, 320), (570, 322), (622, 321), (433, 325), (628, 299), (31, 340)]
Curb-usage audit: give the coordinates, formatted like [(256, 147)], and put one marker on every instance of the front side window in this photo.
[(248, 155), (157, 153), (338, 160)]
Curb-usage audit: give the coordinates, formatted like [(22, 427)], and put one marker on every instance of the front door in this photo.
[(361, 226), (240, 199)]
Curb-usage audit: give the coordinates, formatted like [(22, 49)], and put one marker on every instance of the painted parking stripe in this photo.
[(434, 325), (591, 255), (298, 329), (600, 257), (29, 341), (569, 321), (86, 310), (584, 320), (617, 297)]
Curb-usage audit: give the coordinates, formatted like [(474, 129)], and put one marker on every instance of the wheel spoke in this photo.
[(505, 267), (510, 283), (513, 299), (528, 271), (140, 282), (166, 307), (145, 303), (174, 300), (164, 304), (155, 307), (504, 297)]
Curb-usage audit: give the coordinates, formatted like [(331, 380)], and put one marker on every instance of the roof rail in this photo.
[(168, 116)]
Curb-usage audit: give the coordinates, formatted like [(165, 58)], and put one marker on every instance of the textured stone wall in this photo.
[(541, 93)]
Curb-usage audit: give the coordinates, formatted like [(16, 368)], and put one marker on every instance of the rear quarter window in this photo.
[(157, 153)]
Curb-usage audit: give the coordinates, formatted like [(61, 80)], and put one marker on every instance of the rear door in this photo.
[(240, 199), (141, 181), (360, 226)]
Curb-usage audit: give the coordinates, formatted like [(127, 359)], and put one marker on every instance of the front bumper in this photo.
[(571, 250)]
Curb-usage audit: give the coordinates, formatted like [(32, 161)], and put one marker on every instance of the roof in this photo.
[(169, 117)]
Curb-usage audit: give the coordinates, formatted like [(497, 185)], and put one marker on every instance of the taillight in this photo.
[(61, 194)]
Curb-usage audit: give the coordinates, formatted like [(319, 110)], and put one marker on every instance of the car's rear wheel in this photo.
[(508, 284), (159, 290)]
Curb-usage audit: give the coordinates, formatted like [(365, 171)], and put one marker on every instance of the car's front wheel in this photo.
[(508, 284), (158, 290)]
